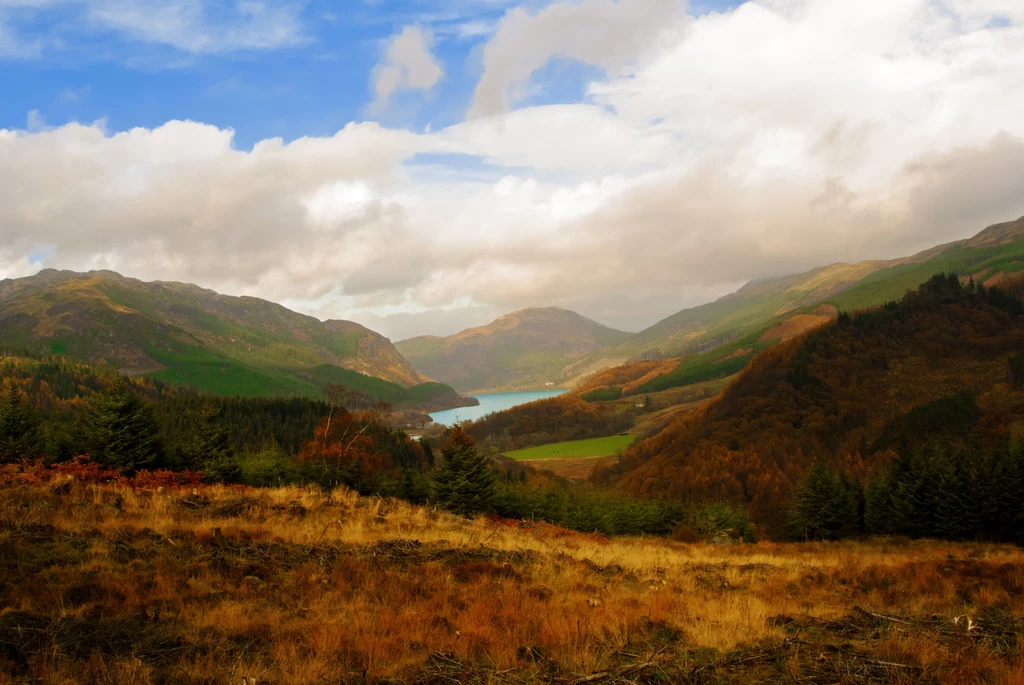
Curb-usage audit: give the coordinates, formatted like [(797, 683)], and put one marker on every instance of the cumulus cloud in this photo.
[(408, 64), (604, 33), (780, 136)]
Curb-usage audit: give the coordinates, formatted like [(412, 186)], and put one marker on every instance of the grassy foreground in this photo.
[(593, 447), (106, 584)]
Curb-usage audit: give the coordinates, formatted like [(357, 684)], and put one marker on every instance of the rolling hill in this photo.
[(719, 338), (523, 350), (935, 368), (188, 335)]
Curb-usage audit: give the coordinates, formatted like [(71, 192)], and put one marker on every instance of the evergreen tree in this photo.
[(428, 452), (823, 508), (212, 450), (19, 426), (881, 513), (124, 433), (465, 481)]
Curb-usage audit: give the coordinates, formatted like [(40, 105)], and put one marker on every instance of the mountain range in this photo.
[(247, 346), (188, 335), (535, 347)]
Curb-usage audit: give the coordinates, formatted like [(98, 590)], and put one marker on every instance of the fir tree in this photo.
[(124, 433), (19, 426), (824, 508), (878, 506), (212, 450), (465, 482)]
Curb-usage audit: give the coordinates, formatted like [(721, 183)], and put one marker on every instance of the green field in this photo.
[(594, 447)]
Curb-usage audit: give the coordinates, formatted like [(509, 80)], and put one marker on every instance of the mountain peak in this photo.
[(522, 350)]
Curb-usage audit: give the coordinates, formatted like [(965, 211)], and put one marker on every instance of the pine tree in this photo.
[(465, 482), (19, 426), (212, 450), (823, 509), (878, 506), (124, 432), (428, 452)]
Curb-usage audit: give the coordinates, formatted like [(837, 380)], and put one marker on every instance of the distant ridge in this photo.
[(524, 350)]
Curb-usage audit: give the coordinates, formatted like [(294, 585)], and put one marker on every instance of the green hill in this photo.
[(187, 335), (524, 350), (718, 338)]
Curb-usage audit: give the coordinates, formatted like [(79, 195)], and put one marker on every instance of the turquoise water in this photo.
[(490, 404)]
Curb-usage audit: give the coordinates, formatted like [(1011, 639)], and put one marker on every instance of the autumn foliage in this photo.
[(834, 394)]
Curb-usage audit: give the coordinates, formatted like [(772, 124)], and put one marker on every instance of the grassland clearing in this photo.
[(106, 584), (573, 468), (593, 447)]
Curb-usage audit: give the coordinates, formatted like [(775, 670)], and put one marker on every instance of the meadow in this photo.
[(106, 583), (593, 447)]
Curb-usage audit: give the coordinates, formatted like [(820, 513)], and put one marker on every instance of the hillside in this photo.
[(854, 393), (188, 335), (524, 350), (769, 310)]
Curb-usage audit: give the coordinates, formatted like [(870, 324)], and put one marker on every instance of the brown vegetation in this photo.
[(109, 584), (573, 468), (833, 393), (624, 375), (800, 324)]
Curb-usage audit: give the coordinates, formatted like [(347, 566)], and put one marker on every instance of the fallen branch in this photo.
[(879, 617)]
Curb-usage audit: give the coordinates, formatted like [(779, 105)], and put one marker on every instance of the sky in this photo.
[(421, 166)]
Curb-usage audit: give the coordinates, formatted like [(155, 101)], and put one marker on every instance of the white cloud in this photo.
[(778, 137), (408, 64), (605, 33)]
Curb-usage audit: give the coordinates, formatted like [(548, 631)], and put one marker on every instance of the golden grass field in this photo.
[(105, 584)]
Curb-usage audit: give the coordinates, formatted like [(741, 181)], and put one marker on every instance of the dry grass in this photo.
[(109, 585), (573, 468)]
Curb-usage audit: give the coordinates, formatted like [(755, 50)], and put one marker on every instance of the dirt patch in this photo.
[(573, 468)]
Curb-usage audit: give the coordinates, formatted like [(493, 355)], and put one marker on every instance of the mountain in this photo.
[(188, 335), (943, 367), (523, 350), (720, 337)]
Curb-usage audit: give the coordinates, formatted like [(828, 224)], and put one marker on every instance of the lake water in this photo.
[(490, 404)]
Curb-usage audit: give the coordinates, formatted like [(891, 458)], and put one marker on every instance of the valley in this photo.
[(735, 511)]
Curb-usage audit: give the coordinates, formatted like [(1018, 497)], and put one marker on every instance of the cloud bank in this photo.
[(777, 137)]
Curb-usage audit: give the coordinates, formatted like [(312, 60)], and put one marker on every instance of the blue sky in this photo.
[(309, 82)]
